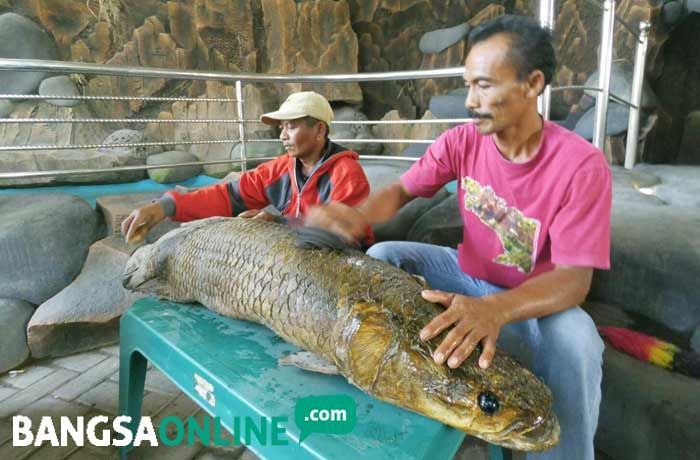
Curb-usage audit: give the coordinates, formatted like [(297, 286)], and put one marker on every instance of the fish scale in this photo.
[(359, 313)]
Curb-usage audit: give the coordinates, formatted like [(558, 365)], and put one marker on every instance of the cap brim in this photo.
[(274, 118)]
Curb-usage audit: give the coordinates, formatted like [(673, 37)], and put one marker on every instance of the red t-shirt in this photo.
[(522, 219)]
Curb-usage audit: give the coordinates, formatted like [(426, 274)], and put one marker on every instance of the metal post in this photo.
[(547, 21), (241, 126), (604, 69), (636, 96)]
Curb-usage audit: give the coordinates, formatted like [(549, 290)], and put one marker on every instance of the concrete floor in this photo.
[(87, 384)]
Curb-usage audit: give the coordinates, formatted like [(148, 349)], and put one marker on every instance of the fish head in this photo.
[(142, 270), (146, 267), (505, 404)]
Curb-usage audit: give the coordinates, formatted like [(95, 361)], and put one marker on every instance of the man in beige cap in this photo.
[(313, 170)]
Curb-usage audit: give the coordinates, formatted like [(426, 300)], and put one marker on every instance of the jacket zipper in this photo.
[(301, 189)]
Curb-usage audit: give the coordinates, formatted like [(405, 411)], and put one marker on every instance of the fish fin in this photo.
[(309, 362)]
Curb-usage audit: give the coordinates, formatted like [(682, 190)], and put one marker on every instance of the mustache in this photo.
[(473, 114)]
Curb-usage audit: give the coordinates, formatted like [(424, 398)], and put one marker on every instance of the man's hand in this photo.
[(137, 225), (347, 222), (257, 214), (472, 321)]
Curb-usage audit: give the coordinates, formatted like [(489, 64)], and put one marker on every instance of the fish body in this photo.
[(360, 314)]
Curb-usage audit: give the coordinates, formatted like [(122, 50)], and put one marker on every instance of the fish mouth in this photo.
[(126, 279), (542, 434)]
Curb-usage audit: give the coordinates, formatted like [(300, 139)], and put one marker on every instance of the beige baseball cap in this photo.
[(299, 105)]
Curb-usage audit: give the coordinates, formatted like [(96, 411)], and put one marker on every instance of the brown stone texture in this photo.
[(388, 34), (64, 19), (407, 131), (116, 208), (20, 134), (150, 47), (258, 100), (227, 31), (311, 37)]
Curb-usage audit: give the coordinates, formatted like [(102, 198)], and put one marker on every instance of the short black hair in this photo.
[(530, 44), (311, 122)]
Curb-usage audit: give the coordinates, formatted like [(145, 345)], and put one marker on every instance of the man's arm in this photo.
[(352, 223), (479, 319)]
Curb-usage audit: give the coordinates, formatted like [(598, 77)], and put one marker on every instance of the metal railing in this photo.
[(546, 18), (238, 79), (604, 72)]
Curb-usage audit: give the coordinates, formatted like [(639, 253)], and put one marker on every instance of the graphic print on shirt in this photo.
[(518, 233)]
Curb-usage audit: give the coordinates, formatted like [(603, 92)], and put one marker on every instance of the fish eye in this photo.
[(488, 403)]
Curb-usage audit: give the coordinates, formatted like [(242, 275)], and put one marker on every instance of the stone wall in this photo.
[(335, 36)]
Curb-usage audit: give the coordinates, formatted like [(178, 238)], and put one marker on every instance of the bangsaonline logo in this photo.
[(96, 431), (327, 414)]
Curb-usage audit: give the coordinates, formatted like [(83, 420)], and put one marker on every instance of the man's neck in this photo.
[(308, 162), (520, 143)]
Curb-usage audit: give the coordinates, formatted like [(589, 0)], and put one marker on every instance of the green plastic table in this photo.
[(236, 362)]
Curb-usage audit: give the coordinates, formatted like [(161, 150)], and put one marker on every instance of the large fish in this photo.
[(360, 314)]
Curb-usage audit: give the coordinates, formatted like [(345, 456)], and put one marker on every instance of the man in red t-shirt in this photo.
[(535, 199), (312, 171)]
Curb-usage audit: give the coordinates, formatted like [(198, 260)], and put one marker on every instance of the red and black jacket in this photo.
[(337, 177)]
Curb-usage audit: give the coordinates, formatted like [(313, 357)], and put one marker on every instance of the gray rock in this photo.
[(689, 152), (677, 186), (672, 12), (441, 39), (44, 240), (256, 150), (415, 150), (693, 6), (21, 38), (441, 225), (646, 413), (621, 84), (449, 105), (130, 136), (216, 152), (655, 257), (178, 174), (49, 160), (60, 85), (14, 316), (398, 227), (695, 340), (86, 313), (6, 108), (349, 131), (381, 173), (615, 124)]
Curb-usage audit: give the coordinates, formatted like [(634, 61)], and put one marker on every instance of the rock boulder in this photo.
[(44, 240), (20, 38), (86, 313), (14, 316)]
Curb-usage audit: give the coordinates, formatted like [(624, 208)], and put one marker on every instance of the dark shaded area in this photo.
[(678, 89)]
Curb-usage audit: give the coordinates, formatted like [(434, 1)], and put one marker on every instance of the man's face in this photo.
[(494, 91), (300, 139)]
